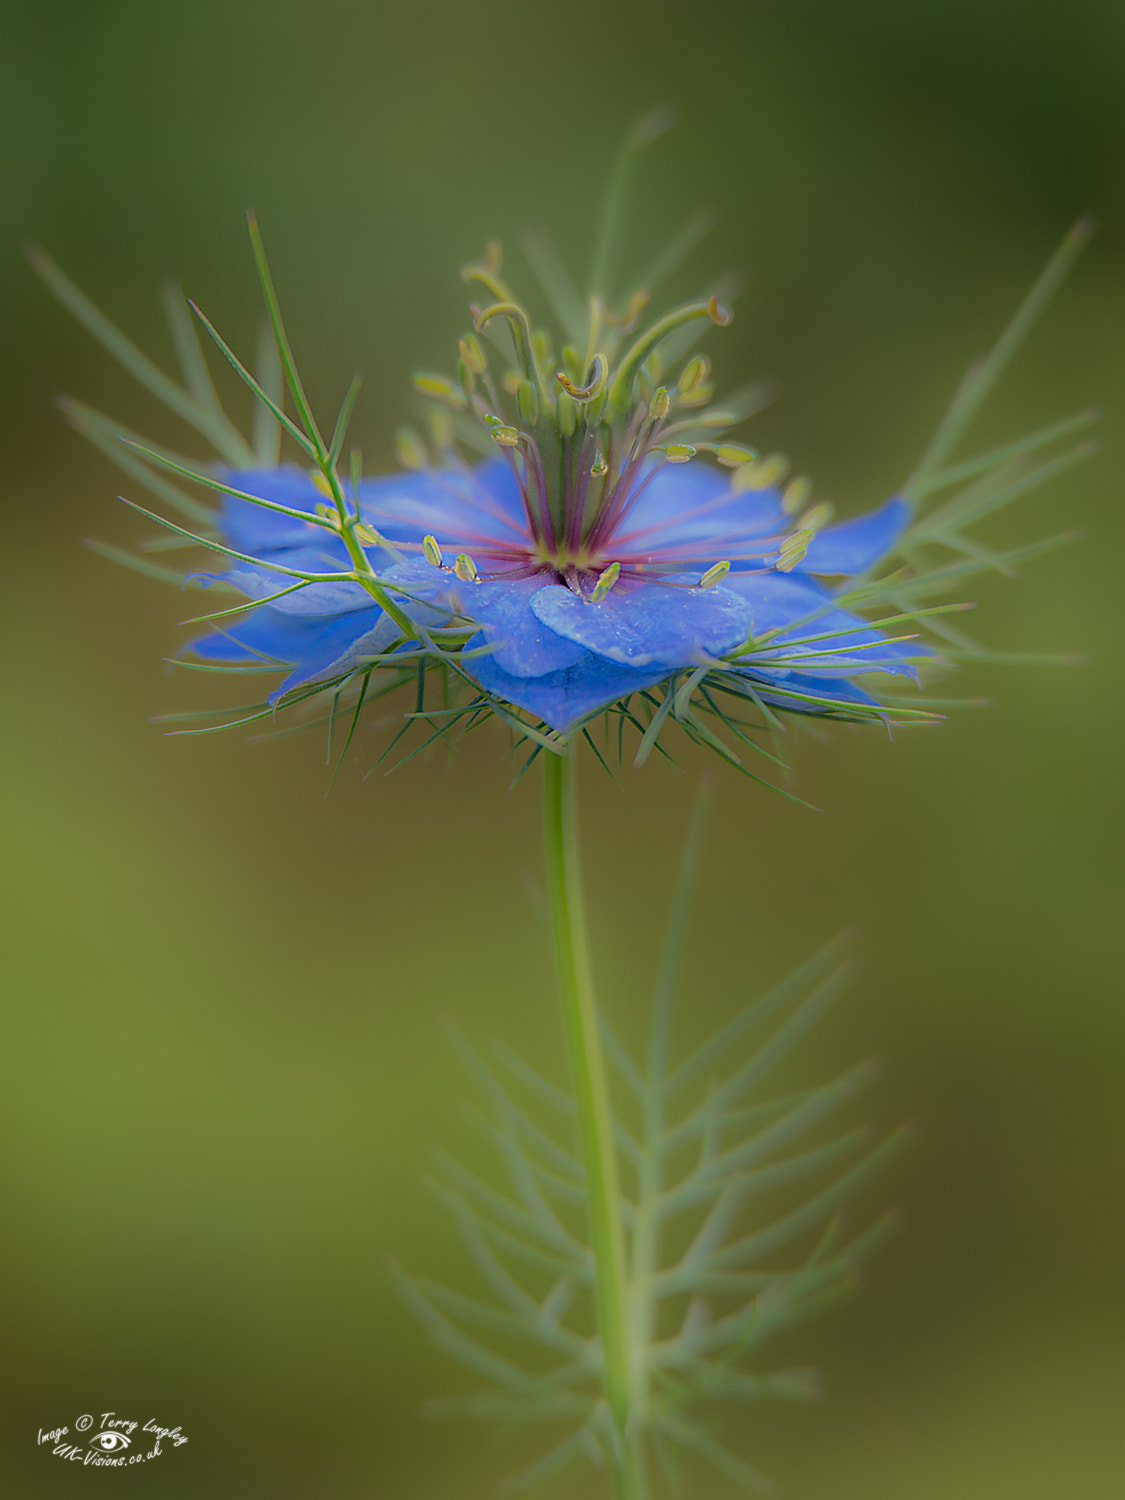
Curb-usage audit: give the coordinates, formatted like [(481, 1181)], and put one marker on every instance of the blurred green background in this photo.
[(224, 1065)]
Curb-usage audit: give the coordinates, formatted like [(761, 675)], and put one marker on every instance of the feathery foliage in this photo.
[(731, 1213)]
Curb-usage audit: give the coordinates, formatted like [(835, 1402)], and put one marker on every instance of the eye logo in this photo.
[(109, 1442)]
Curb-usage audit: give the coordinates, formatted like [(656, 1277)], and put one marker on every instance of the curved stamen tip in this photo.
[(719, 314), (597, 377)]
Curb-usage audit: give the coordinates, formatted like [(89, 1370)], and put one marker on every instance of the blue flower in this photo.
[(538, 632), (615, 550)]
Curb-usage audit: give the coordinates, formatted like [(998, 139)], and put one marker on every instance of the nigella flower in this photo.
[(672, 568), (613, 545), (579, 535)]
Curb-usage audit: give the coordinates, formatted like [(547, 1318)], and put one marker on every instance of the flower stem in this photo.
[(591, 1095)]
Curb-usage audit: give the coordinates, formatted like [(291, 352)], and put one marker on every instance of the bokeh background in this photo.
[(224, 1070)]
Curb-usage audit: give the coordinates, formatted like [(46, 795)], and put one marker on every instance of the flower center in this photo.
[(587, 429)]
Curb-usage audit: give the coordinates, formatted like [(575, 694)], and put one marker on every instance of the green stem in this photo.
[(591, 1095)]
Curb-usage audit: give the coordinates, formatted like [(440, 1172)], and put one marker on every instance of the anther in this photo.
[(659, 406), (694, 388), (409, 450), (796, 494), (472, 354), (762, 474), (432, 551), (695, 372), (440, 388), (733, 455), (466, 569), (605, 582), (714, 575), (440, 424), (678, 453), (599, 467), (793, 550), (320, 483), (501, 432), (817, 516)]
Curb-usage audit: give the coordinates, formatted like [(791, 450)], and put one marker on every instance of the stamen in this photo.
[(762, 474), (466, 569), (432, 551), (817, 516), (659, 406), (793, 550), (409, 450), (440, 388), (472, 354), (694, 375), (605, 582), (734, 455), (795, 495), (678, 453), (714, 575), (501, 433)]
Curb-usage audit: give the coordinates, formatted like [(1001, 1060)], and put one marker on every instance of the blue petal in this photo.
[(521, 644), (251, 528), (306, 643), (524, 646), (564, 697), (313, 599), (854, 546), (695, 502), (463, 510), (337, 652), (655, 623), (777, 600)]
